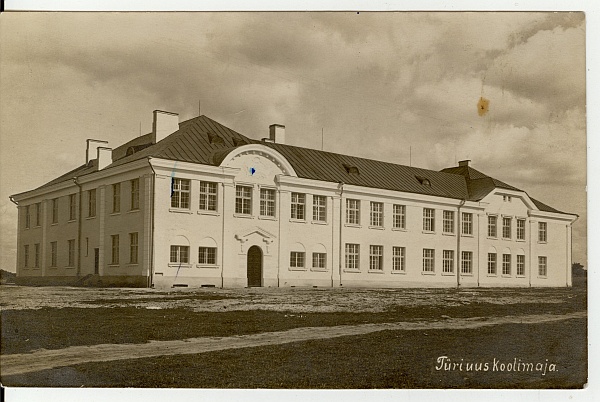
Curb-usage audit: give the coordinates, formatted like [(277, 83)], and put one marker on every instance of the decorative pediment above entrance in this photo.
[(255, 236)]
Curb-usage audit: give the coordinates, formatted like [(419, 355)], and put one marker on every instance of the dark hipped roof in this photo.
[(203, 140)]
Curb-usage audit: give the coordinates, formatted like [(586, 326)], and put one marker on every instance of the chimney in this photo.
[(104, 155), (277, 133), (164, 124), (466, 162), (91, 147)]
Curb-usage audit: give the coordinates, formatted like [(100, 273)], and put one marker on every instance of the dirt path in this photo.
[(47, 359)]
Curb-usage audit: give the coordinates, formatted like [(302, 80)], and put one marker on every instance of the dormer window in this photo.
[(424, 181), (214, 139), (238, 142), (351, 169)]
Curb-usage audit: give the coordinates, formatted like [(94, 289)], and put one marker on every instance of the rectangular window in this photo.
[(298, 206), (114, 240), (38, 214), (36, 255), (448, 261), (116, 198), (71, 262), (319, 261), (448, 222), (133, 248), (207, 255), (26, 255), (180, 254), (428, 260), (180, 193), (505, 264), (55, 210), (72, 207), (542, 232), (377, 214), (399, 259), (466, 262), (319, 208), (542, 266), (297, 259), (429, 219), (243, 200), (91, 203), (352, 256), (27, 218), (208, 196), (520, 265), (353, 211), (376, 258), (135, 194), (267, 202), (53, 253), (492, 263), (520, 229), (506, 227), (399, 216), (492, 226), (467, 223)]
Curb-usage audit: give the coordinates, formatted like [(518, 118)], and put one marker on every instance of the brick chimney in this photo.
[(91, 147), (163, 124), (277, 133), (104, 155), (466, 162)]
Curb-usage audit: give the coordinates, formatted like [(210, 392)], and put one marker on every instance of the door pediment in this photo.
[(255, 236)]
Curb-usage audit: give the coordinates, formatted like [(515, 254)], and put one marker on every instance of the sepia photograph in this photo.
[(321, 200)]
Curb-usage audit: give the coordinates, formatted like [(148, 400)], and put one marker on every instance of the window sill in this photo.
[(428, 232), (54, 224), (319, 269), (87, 218), (179, 265), (399, 272), (542, 242), (54, 267), (352, 271), (352, 225), (523, 276), (133, 210), (427, 272), (506, 276), (465, 274), (34, 268), (448, 234), (115, 213), (114, 265), (506, 239), (521, 240), (448, 274), (466, 235), (319, 222), (70, 267), (132, 264), (492, 275), (72, 220), (208, 266), (399, 229), (245, 216), (180, 211), (267, 218), (377, 227), (376, 271), (206, 212), (296, 269), (297, 220), (492, 237)]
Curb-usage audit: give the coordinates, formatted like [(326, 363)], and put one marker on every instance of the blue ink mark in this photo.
[(252, 171)]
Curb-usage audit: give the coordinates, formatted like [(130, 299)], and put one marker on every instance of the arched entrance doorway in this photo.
[(254, 264)]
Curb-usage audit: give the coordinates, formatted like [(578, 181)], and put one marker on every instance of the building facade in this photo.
[(198, 204)]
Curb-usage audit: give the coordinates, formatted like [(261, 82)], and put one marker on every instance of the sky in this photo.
[(401, 87)]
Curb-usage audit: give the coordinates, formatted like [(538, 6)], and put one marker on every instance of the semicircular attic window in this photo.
[(130, 151), (214, 139), (423, 181), (353, 170)]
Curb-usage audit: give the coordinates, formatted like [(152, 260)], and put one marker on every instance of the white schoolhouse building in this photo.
[(198, 204)]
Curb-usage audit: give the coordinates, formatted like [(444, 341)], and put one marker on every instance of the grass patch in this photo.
[(386, 359), (55, 328)]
